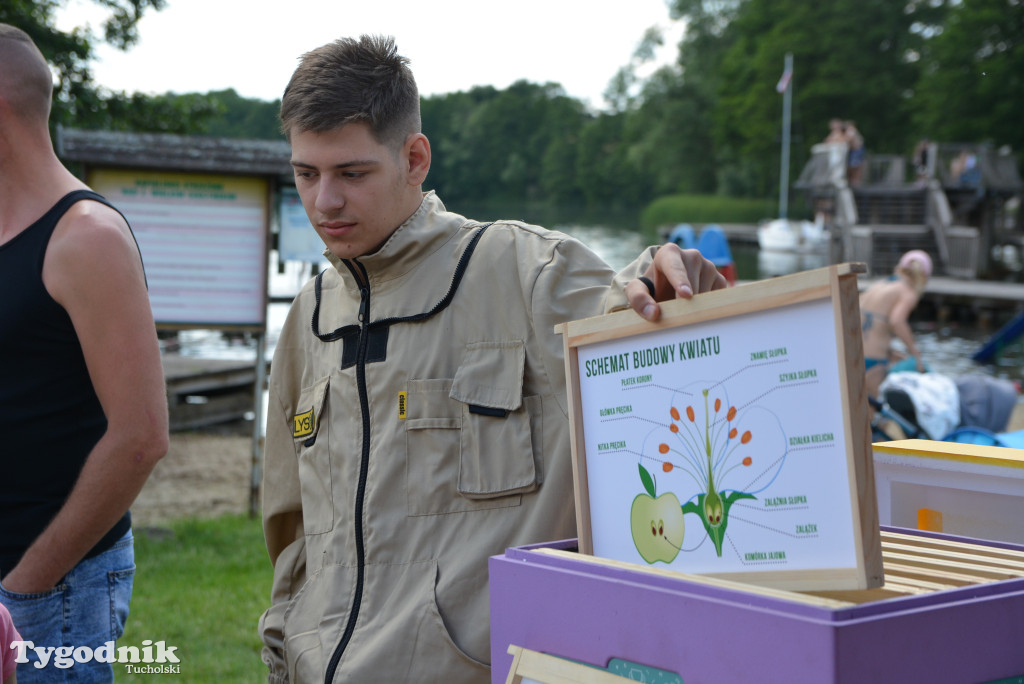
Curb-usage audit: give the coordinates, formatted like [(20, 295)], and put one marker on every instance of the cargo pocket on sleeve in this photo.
[(498, 446), (312, 444)]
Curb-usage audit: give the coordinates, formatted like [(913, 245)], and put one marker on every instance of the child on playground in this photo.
[(8, 635)]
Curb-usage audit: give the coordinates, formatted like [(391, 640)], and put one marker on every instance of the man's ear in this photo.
[(418, 153)]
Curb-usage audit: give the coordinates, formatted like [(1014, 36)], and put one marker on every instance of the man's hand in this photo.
[(674, 273), (14, 581)]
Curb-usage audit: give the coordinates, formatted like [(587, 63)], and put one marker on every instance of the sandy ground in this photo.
[(208, 473), (204, 474)]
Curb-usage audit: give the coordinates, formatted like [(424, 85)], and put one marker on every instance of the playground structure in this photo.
[(959, 203)]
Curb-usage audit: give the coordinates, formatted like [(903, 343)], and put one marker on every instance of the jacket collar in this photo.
[(413, 269), (429, 228)]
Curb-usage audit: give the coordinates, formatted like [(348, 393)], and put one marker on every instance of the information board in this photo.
[(731, 437), (203, 240), (297, 240)]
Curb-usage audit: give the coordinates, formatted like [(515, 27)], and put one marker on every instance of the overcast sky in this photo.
[(253, 45)]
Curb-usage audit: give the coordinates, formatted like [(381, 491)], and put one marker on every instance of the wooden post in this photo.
[(257, 426)]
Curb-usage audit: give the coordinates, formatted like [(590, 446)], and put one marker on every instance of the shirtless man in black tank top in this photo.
[(82, 292)]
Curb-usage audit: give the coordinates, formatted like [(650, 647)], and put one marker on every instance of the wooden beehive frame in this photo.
[(921, 565)]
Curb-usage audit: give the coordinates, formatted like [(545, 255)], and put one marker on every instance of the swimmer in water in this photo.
[(884, 310)]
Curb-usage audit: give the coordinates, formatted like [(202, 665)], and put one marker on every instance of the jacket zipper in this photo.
[(363, 279), (364, 407)]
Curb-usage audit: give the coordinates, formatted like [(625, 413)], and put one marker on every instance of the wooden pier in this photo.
[(984, 302), (205, 392)]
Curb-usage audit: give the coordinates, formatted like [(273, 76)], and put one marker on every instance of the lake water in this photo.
[(946, 349)]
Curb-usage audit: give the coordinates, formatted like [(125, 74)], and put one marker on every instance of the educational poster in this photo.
[(203, 240), (719, 447)]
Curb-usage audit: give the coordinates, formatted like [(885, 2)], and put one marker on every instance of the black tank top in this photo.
[(50, 416)]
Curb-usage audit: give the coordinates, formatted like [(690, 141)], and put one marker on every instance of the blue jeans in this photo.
[(87, 608)]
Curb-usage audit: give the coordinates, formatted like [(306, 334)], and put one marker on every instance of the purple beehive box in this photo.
[(952, 610)]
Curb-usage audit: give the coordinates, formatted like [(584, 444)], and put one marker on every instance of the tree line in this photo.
[(948, 70)]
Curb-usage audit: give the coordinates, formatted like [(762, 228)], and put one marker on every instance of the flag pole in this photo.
[(787, 103)]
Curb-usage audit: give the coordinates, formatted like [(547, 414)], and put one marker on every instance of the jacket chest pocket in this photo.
[(473, 442), (312, 435)]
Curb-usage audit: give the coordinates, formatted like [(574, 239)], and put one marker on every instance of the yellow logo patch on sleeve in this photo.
[(304, 424), (403, 397)]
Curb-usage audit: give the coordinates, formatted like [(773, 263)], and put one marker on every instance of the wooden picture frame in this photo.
[(730, 438)]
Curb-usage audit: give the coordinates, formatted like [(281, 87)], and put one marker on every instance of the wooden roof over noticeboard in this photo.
[(168, 152)]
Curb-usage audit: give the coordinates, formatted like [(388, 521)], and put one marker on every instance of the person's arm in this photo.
[(899, 324), (286, 544), (92, 269), (282, 511), (575, 283)]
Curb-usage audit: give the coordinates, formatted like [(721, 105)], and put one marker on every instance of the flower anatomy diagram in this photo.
[(719, 447)]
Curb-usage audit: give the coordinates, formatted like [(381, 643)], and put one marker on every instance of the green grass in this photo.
[(201, 586), (698, 209)]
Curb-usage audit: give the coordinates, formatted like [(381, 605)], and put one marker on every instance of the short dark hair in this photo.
[(351, 80)]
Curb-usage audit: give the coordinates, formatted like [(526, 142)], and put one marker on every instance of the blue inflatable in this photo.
[(714, 245), (683, 236)]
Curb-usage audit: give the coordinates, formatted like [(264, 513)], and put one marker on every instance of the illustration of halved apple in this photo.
[(656, 523)]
